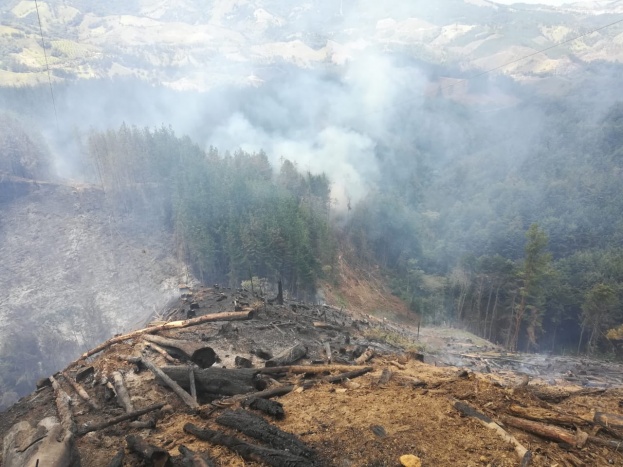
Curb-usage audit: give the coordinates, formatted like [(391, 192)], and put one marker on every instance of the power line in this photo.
[(47, 65), (532, 54)]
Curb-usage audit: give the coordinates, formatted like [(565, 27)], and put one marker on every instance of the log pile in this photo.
[(222, 373)]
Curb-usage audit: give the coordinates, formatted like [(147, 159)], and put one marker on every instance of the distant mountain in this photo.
[(187, 44)]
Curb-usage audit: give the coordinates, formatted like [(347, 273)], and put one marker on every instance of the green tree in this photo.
[(598, 310), (536, 266)]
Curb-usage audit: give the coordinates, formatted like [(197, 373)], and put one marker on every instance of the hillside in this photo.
[(394, 405), (74, 272)]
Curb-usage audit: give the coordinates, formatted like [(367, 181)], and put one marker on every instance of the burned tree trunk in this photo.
[(223, 381), (89, 427), (288, 356), (197, 352), (548, 431), (256, 427), (249, 452)]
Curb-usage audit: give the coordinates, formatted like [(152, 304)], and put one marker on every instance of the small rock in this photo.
[(409, 460)]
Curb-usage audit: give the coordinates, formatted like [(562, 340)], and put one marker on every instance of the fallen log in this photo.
[(224, 381), (176, 388), (272, 408), (194, 459), (249, 452), (546, 416), (228, 316), (348, 375), (555, 433), (123, 397), (63, 408), (323, 325), (524, 455), (80, 391), (256, 427), (197, 352), (365, 356), (154, 455), (89, 427), (288, 356)]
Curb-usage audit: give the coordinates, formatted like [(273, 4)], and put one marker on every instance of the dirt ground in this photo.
[(362, 421)]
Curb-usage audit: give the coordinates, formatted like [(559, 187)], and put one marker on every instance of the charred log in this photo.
[(249, 452)]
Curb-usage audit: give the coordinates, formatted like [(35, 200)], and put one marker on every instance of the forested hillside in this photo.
[(232, 216), (520, 236)]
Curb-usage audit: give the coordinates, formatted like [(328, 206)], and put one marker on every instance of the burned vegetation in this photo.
[(226, 378)]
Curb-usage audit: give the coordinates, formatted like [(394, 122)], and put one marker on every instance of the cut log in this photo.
[(256, 427), (175, 387), (123, 397), (49, 445), (224, 381), (524, 455), (154, 455), (81, 391), (63, 408), (229, 316), (272, 408), (195, 459), (196, 351), (249, 452), (555, 433), (546, 416), (610, 420), (89, 427), (365, 356), (288, 356), (323, 325)]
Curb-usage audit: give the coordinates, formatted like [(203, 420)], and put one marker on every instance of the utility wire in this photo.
[(47, 65), (532, 54)]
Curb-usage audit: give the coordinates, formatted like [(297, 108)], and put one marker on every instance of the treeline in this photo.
[(233, 218), (519, 235)]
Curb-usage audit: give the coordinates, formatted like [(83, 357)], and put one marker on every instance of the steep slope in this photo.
[(74, 271)]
